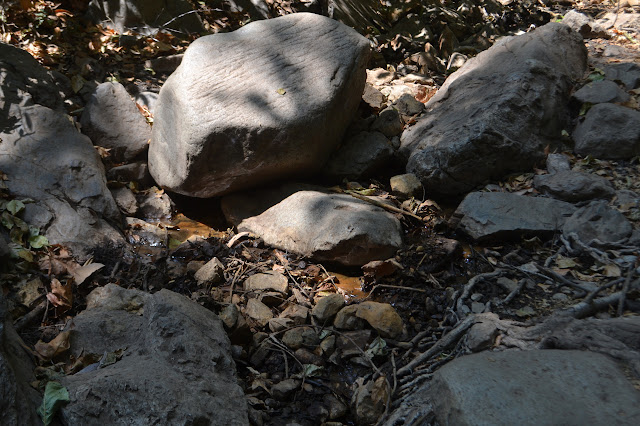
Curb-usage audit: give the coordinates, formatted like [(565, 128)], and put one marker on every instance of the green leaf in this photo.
[(377, 348), (55, 396), (311, 370), (281, 91), (25, 254), (38, 241), (174, 243), (7, 220), (15, 206)]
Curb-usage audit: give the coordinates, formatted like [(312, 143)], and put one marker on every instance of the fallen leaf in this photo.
[(612, 270), (565, 262), (55, 396), (61, 296), (281, 91), (54, 348), (82, 273)]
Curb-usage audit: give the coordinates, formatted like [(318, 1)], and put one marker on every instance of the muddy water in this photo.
[(350, 287)]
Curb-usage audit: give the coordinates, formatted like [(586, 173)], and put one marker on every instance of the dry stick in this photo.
[(625, 290), (515, 291), (583, 309), (397, 287), (442, 344), (30, 316), (595, 292), (472, 283), (560, 278), (380, 204)]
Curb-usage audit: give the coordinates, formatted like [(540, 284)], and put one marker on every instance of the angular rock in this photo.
[(602, 91), (574, 186), (18, 400), (49, 161), (222, 126), (373, 97), (112, 120), (297, 313), (406, 186), (408, 106), (138, 171), (346, 319), (557, 163), (382, 317), (493, 215), (258, 311), (299, 337), (522, 387), (172, 345), (370, 399), (146, 16), (329, 227), (155, 204), (498, 112), (352, 343), (360, 156), (585, 25), (609, 132), (628, 73), (327, 307), (269, 281), (598, 221), (211, 273), (126, 200)]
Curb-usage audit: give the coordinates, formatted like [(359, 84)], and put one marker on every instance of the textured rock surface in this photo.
[(598, 221), (598, 92), (489, 215), (225, 125), (382, 317), (610, 132), (329, 227), (532, 387), (65, 178), (360, 156), (146, 16), (176, 369), (574, 186), (18, 400), (497, 113), (112, 120), (585, 25)]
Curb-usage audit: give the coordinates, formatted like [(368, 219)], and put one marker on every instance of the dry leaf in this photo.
[(61, 296), (82, 273), (565, 262), (612, 270), (54, 348)]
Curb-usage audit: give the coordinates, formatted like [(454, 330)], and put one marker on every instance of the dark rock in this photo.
[(138, 172), (360, 156), (227, 125), (299, 337), (574, 186), (373, 97), (602, 91), (492, 215), (211, 273), (49, 161), (146, 16), (388, 122), (330, 227), (408, 106), (628, 73), (406, 186), (327, 307), (18, 400), (346, 319), (382, 317), (522, 387), (598, 221), (112, 120), (610, 132), (155, 205), (126, 200), (172, 345), (165, 64), (498, 112)]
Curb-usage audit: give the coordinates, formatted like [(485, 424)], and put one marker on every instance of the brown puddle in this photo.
[(351, 286), (182, 228)]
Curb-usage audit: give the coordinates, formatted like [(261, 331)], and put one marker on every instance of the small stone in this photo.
[(279, 324), (482, 335), (574, 186), (268, 281), (477, 307), (258, 311), (336, 408), (299, 337), (138, 172), (282, 390), (373, 97), (557, 163), (327, 307), (508, 285), (211, 273), (194, 265), (406, 186), (408, 106), (328, 345), (229, 315), (370, 400), (305, 356), (476, 296), (598, 221), (126, 200), (346, 319), (382, 317), (271, 298), (297, 313), (155, 205), (351, 343), (598, 92), (560, 297), (388, 122)]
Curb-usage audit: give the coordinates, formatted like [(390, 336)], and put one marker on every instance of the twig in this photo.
[(471, 284), (515, 291), (380, 204), (31, 316), (584, 309), (441, 345), (625, 290), (399, 287)]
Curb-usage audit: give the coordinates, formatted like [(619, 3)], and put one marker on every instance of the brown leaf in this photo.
[(54, 348), (61, 296), (82, 273)]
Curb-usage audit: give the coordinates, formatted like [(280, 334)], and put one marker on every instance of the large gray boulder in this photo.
[(146, 16), (328, 227), (47, 160), (112, 120), (493, 215), (267, 101), (176, 367), (18, 400), (497, 113), (537, 387)]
